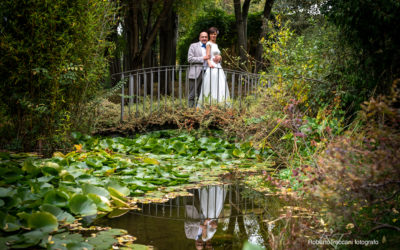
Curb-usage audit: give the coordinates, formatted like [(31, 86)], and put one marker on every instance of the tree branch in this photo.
[(388, 198), (384, 226), (147, 45)]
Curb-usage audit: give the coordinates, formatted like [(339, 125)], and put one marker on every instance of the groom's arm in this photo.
[(192, 58)]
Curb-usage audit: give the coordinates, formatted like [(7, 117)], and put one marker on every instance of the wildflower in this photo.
[(299, 134)]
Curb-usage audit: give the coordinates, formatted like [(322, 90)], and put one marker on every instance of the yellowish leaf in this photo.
[(78, 147)]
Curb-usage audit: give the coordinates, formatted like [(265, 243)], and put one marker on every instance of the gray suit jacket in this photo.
[(195, 58)]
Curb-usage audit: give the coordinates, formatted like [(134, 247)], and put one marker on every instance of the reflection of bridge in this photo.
[(237, 200), (166, 225), (158, 88)]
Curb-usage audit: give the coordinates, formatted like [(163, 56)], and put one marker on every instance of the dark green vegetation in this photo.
[(53, 56), (226, 26), (371, 29), (42, 199), (330, 123)]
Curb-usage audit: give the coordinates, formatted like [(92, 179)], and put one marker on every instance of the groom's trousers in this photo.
[(194, 89)]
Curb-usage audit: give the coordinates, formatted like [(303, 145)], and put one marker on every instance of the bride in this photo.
[(214, 87)]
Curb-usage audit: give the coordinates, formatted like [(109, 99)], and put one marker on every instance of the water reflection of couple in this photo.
[(207, 80), (202, 226)]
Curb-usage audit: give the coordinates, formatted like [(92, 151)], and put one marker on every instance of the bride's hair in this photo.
[(213, 30)]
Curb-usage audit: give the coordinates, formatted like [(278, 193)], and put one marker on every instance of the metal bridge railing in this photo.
[(155, 89)]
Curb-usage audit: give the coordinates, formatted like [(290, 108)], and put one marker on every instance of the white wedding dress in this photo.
[(214, 88)]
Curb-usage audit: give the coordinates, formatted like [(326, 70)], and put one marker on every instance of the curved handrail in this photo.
[(161, 86), (182, 66)]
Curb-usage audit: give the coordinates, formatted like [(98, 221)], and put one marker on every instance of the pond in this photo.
[(231, 214), (146, 185)]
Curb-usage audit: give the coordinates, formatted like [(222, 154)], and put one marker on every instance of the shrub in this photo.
[(358, 176), (51, 62)]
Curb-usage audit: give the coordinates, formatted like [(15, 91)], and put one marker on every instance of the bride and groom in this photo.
[(207, 81)]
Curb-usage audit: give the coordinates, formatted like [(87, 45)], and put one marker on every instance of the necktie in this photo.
[(203, 45)]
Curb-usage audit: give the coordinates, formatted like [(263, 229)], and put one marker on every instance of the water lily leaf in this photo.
[(139, 247), (29, 167), (102, 203), (92, 189), (116, 193), (181, 175), (224, 156), (117, 213), (45, 179), (60, 214), (29, 239), (179, 147), (7, 192), (9, 223), (118, 202), (51, 168), (44, 221), (58, 154), (82, 205), (94, 162), (118, 187), (102, 243), (79, 246), (147, 187), (60, 241), (105, 239), (236, 152), (56, 198), (151, 161)]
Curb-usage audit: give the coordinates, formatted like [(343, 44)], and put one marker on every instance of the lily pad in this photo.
[(44, 221), (82, 205), (56, 198), (9, 223), (60, 214), (102, 203), (92, 189)]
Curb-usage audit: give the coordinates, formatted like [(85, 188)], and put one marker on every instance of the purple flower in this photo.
[(299, 134)]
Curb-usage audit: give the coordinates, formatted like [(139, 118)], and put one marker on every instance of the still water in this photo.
[(214, 217)]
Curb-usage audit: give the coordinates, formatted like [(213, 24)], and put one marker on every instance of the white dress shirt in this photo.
[(203, 50)]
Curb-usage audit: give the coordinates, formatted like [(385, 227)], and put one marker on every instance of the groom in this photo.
[(198, 64)]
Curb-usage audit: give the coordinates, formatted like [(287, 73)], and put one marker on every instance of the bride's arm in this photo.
[(208, 52)]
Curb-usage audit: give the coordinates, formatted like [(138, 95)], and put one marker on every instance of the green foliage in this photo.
[(52, 61), (303, 64), (358, 174), (371, 29), (227, 32)]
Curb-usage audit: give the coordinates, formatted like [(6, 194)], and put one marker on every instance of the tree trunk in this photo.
[(137, 62), (141, 33), (132, 33), (241, 26), (267, 11), (168, 40)]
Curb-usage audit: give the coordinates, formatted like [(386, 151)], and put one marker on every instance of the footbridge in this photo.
[(149, 90)]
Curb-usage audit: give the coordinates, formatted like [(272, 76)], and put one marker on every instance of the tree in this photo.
[(371, 28), (168, 37), (142, 22), (266, 13), (241, 13), (52, 59)]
